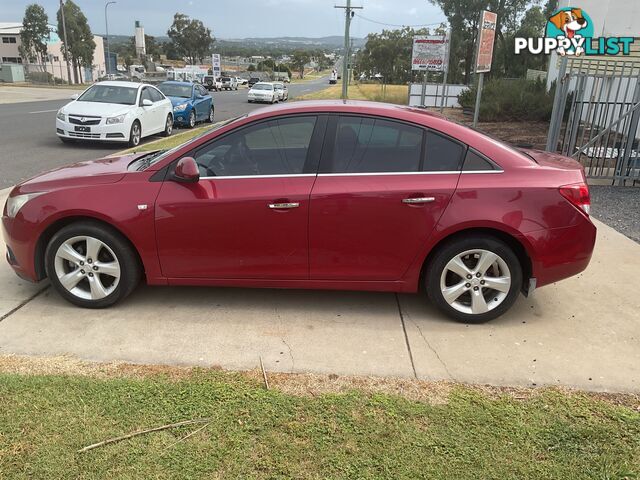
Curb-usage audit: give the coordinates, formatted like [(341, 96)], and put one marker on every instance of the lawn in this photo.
[(390, 93), (179, 137), (292, 431)]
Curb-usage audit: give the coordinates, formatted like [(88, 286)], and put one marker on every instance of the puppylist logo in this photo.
[(570, 32)]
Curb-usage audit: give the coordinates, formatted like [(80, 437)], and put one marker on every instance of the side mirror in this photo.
[(147, 103), (187, 170), (75, 96)]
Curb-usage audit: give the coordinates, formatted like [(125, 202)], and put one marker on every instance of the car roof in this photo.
[(120, 83), (177, 82)]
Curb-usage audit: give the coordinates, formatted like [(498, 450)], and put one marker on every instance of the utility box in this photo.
[(11, 73)]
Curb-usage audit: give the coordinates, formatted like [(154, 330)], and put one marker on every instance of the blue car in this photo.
[(191, 102)]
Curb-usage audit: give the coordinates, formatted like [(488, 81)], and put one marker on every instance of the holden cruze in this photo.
[(329, 195)]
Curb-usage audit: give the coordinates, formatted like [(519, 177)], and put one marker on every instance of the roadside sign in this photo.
[(430, 53), (215, 62), (486, 37)]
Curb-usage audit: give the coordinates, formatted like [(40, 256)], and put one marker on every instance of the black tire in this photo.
[(192, 119), (134, 139), (460, 245), (168, 127), (130, 269), (211, 115)]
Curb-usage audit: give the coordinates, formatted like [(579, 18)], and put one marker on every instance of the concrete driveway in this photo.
[(583, 332)]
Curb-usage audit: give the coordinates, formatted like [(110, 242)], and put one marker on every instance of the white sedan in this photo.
[(262, 92), (115, 112)]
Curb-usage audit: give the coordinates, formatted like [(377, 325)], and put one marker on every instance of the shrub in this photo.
[(511, 99), (40, 77)]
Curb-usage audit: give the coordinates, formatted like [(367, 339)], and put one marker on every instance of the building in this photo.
[(55, 65)]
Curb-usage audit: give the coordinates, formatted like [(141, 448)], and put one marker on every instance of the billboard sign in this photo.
[(215, 64), (486, 37), (430, 53)]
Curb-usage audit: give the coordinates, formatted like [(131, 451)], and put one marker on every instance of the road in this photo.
[(30, 146)]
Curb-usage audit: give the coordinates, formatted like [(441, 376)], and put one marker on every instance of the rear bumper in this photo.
[(561, 253)]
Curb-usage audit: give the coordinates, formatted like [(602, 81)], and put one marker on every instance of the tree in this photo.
[(299, 60), (34, 34), (190, 38), (81, 45)]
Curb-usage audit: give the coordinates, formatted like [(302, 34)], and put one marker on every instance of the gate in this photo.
[(595, 118)]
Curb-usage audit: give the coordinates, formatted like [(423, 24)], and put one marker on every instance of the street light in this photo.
[(106, 23)]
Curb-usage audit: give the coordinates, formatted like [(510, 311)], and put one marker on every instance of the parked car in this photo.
[(211, 82), (282, 91), (252, 81), (229, 83), (192, 103), (115, 112), (242, 81), (332, 195), (262, 92)]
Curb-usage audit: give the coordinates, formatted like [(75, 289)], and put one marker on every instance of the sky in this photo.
[(243, 18)]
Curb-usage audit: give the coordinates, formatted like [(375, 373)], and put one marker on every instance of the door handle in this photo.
[(278, 206), (414, 200)]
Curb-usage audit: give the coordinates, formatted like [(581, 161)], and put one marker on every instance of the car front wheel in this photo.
[(91, 265), (135, 134), (192, 119), (210, 117), (474, 279)]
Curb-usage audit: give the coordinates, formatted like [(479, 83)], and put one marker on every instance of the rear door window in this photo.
[(371, 145), (443, 154)]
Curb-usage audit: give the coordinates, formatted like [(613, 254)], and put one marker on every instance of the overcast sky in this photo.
[(242, 18)]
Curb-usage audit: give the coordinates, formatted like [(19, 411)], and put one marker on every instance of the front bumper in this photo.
[(19, 249), (256, 98), (181, 118), (118, 132)]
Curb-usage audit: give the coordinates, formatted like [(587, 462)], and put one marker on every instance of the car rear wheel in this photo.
[(192, 119), (168, 126), (135, 134), (474, 279), (91, 266)]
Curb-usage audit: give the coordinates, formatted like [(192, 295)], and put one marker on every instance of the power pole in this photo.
[(66, 45), (348, 15)]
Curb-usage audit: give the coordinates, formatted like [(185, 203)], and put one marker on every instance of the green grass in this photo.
[(391, 93), (169, 142), (255, 433)]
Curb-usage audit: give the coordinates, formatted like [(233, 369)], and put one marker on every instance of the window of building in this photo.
[(8, 39)]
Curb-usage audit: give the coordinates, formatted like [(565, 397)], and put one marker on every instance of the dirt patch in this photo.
[(300, 384), (525, 134)]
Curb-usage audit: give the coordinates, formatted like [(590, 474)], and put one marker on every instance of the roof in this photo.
[(120, 83), (10, 28)]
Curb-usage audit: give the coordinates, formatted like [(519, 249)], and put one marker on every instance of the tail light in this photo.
[(578, 195)]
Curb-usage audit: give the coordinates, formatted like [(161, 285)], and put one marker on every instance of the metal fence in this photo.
[(596, 118), (430, 94)]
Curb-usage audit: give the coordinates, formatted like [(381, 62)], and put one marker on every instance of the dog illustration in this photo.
[(569, 21)]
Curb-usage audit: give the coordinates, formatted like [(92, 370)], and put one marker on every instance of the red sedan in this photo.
[(331, 195)]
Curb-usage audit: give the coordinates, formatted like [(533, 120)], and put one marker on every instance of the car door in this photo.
[(202, 102), (381, 188), (161, 106), (149, 116), (247, 217)]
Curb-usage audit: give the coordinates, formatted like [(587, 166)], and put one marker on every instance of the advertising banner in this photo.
[(430, 53), (486, 37), (215, 62)]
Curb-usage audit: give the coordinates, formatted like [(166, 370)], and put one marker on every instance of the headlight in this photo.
[(114, 120), (61, 116), (14, 204), (180, 108)]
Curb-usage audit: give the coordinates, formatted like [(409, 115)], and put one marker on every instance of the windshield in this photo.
[(110, 94), (173, 90), (159, 155), (226, 79), (262, 86)]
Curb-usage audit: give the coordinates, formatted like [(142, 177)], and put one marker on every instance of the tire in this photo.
[(211, 115), (473, 293), (192, 119), (134, 138), (93, 289), (168, 126)]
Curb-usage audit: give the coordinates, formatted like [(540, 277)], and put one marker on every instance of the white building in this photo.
[(55, 65)]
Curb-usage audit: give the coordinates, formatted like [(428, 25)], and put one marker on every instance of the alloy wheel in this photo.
[(135, 134), (169, 126), (87, 268), (475, 281), (192, 120)]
